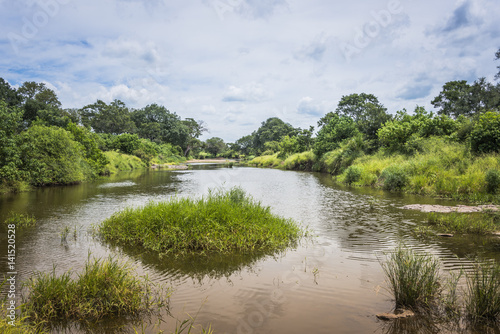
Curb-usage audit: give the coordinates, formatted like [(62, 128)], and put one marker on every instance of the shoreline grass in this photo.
[(482, 301), (483, 223), (105, 288), (20, 220), (222, 222)]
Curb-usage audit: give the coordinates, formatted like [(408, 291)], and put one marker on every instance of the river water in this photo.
[(331, 283)]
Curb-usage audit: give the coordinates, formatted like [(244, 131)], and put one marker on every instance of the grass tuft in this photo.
[(20, 220), (105, 288), (413, 278), (482, 300), (222, 222), (466, 223)]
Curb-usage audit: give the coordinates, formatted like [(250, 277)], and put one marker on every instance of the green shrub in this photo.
[(492, 181), (352, 174), (395, 178), (485, 136)]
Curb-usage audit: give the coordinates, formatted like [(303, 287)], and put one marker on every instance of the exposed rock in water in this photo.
[(447, 209), (398, 314), (445, 235)]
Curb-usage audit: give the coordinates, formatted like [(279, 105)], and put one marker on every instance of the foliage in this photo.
[(395, 178), (20, 220), (36, 97), (267, 161), (334, 130), (222, 222), (114, 118), (352, 174), (215, 146), (485, 136), (459, 98), (10, 152), (492, 181), (304, 161), (413, 278), (121, 162), (403, 133), (89, 141), (335, 162), (51, 156), (470, 223), (273, 129), (9, 94), (366, 111), (105, 288), (482, 299)]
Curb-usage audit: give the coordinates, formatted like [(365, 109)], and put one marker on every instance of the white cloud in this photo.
[(252, 92)]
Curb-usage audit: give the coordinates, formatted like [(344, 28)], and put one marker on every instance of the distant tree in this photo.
[(9, 94), (35, 97), (103, 118), (245, 144), (157, 123), (497, 57), (334, 129), (366, 111), (459, 98), (485, 136), (215, 146), (273, 129), (193, 130)]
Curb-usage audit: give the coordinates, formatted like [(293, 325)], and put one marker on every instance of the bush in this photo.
[(352, 174), (485, 136), (492, 181), (395, 178)]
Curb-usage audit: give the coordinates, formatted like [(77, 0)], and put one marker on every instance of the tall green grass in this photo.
[(413, 278), (105, 288), (482, 302), (20, 220), (467, 223), (119, 162), (266, 161), (300, 161), (222, 222), (440, 168)]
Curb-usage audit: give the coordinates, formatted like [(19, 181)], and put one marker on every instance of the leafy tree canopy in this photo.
[(273, 129)]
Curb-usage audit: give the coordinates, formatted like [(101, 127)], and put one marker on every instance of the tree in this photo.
[(9, 94), (366, 111), (103, 118), (36, 97), (497, 57), (459, 98), (245, 144), (331, 134), (215, 146), (193, 130), (157, 123), (273, 129), (10, 154)]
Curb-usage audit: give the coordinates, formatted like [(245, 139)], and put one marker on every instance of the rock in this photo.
[(447, 209), (445, 235), (398, 314)]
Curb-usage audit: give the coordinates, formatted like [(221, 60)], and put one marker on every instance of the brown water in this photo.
[(330, 284)]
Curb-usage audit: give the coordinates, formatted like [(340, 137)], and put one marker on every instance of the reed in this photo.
[(105, 288), (222, 222), (466, 223), (482, 298), (413, 278)]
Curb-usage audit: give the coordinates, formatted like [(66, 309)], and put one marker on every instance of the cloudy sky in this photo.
[(235, 63)]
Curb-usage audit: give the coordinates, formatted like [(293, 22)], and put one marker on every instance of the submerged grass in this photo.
[(467, 223), (20, 220), (222, 222), (413, 278), (105, 288)]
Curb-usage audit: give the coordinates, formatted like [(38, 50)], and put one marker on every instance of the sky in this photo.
[(236, 63)]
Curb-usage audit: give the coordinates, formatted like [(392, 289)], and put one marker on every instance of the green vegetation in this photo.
[(467, 223), (105, 288), (121, 162), (413, 278), (482, 301), (222, 222), (19, 220)]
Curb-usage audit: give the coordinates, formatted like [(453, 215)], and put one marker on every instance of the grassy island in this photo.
[(221, 222)]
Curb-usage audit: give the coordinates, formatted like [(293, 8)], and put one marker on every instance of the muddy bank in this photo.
[(448, 209)]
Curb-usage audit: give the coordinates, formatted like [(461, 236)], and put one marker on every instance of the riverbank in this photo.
[(441, 169)]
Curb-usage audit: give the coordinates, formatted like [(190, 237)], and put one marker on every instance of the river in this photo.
[(331, 283)]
